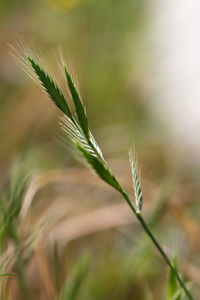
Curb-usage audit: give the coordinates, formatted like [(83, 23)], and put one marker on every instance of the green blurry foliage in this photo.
[(106, 40)]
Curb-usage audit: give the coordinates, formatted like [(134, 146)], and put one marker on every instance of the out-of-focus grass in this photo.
[(105, 41), (122, 265)]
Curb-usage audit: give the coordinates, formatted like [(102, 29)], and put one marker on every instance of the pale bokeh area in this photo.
[(175, 38)]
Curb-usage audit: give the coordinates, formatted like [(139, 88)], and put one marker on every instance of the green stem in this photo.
[(157, 245), (148, 231)]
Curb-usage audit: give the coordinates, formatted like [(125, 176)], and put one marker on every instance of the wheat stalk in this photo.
[(77, 131)]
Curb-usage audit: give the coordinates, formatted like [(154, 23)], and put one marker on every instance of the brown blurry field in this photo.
[(66, 234)]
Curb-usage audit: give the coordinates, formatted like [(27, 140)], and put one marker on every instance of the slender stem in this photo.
[(157, 245), (148, 231)]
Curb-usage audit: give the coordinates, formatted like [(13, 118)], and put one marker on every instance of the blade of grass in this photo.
[(172, 286), (75, 280)]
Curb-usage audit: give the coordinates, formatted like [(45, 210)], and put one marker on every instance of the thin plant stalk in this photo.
[(156, 244), (159, 248)]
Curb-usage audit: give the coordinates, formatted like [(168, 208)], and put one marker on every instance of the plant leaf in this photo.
[(173, 290), (73, 282)]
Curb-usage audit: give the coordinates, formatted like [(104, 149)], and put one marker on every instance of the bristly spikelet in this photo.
[(75, 135), (136, 182), (80, 110), (51, 88), (38, 69), (89, 150), (75, 127), (101, 168), (24, 49)]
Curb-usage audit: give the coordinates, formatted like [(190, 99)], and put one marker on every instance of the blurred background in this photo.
[(138, 67)]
